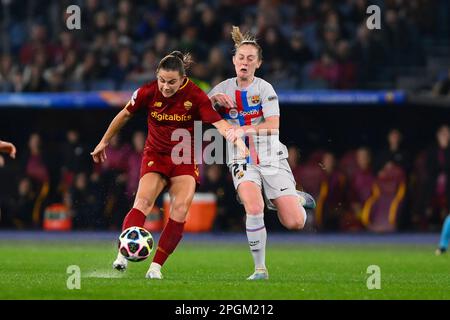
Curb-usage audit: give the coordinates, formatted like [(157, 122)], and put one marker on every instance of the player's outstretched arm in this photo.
[(231, 134), (270, 126), (99, 154), (9, 148)]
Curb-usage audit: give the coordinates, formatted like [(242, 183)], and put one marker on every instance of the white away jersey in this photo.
[(252, 105)]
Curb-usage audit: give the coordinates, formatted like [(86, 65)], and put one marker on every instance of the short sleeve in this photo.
[(138, 99), (269, 99)]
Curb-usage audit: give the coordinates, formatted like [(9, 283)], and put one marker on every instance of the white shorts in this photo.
[(275, 179)]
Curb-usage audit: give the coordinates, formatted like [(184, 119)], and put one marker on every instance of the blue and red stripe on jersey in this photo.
[(245, 115)]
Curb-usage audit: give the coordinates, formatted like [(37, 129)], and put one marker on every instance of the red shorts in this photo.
[(161, 163)]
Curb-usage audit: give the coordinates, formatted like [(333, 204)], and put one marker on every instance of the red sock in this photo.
[(170, 237), (134, 218)]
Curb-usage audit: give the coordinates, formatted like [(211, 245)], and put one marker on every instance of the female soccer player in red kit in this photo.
[(173, 102)]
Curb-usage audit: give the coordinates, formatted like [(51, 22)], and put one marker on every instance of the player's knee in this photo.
[(296, 223), (180, 208), (144, 205), (254, 208)]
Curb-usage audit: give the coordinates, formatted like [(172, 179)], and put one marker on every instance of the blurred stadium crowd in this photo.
[(306, 43), (381, 190)]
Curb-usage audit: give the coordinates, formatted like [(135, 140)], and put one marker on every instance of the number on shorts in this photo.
[(236, 168)]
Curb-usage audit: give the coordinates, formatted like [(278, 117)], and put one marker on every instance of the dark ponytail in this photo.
[(176, 61)]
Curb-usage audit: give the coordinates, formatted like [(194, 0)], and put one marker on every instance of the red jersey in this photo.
[(165, 115)]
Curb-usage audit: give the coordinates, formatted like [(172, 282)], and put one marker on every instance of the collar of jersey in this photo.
[(244, 89), (184, 84)]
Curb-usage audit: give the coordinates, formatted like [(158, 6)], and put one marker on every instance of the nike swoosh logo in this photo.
[(282, 189)]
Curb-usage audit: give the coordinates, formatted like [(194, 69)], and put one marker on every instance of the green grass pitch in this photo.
[(33, 270)]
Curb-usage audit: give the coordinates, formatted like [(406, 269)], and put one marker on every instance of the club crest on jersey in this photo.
[(187, 105), (157, 104), (233, 113), (255, 99)]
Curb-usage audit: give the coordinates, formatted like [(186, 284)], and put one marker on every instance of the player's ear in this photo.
[(258, 64)]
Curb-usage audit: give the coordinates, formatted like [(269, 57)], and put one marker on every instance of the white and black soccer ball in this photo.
[(135, 243)]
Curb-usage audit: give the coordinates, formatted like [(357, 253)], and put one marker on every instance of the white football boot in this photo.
[(259, 274), (154, 272), (120, 263)]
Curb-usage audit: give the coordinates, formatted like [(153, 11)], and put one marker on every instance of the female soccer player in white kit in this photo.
[(250, 104)]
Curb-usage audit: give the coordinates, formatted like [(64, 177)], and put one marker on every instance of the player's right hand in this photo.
[(99, 153), (223, 100)]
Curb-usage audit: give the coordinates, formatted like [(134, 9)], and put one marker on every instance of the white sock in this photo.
[(257, 236), (155, 266)]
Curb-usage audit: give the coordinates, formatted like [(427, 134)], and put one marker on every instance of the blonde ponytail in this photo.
[(247, 38)]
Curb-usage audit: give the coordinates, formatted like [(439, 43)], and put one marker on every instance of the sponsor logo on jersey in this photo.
[(255, 99), (157, 104), (187, 105), (271, 98), (249, 113), (171, 117)]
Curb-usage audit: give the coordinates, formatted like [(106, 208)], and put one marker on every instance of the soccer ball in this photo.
[(135, 244)]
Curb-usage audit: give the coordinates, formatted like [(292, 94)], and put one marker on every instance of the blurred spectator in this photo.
[(383, 212), (437, 190), (368, 55), (75, 159), (134, 165), (22, 204), (34, 160), (442, 86), (299, 53), (394, 152), (83, 204), (147, 71), (361, 185), (209, 26), (346, 67), (113, 181), (9, 73), (325, 70), (334, 201), (294, 159), (230, 214)]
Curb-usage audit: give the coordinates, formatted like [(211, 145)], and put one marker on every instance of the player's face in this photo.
[(169, 81), (246, 61)]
